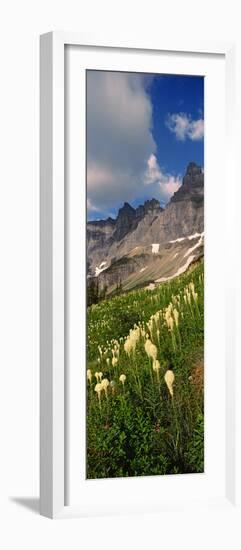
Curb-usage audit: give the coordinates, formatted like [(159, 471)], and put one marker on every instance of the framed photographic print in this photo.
[(138, 395)]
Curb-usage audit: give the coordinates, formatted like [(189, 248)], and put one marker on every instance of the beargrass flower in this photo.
[(89, 375), (195, 296), (148, 344), (122, 378), (98, 389), (176, 316), (156, 365), (105, 383), (153, 351), (169, 379)]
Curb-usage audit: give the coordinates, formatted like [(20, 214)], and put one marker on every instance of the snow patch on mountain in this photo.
[(189, 237), (178, 272), (155, 248), (100, 268), (194, 247)]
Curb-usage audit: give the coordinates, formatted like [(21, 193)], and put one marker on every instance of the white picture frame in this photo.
[(53, 427)]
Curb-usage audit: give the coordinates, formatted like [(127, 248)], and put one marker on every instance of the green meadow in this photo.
[(145, 395)]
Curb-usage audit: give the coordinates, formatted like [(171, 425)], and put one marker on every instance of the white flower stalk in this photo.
[(114, 361), (195, 296), (170, 322), (122, 378), (176, 316), (128, 345), (98, 389), (192, 288), (108, 361), (148, 344), (100, 375), (115, 351), (153, 351), (168, 316), (89, 375), (132, 339), (105, 383), (169, 379), (156, 365), (97, 376), (188, 295)]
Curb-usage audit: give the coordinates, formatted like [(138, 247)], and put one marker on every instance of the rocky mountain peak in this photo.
[(126, 210), (124, 220), (152, 204), (192, 184), (193, 169)]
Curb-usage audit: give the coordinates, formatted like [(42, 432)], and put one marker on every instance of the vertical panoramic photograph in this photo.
[(144, 274)]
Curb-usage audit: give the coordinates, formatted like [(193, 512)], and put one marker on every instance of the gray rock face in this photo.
[(114, 243), (192, 185)]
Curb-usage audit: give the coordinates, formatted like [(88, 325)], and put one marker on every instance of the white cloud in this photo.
[(91, 207), (167, 183), (184, 127), (120, 144)]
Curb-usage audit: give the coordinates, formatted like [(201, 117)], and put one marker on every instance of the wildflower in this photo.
[(89, 375), (122, 378), (105, 383), (114, 361), (188, 295), (148, 344), (156, 365), (115, 350), (100, 375), (98, 389), (128, 345), (153, 351), (97, 376), (176, 316), (169, 379), (108, 361), (192, 288), (170, 322)]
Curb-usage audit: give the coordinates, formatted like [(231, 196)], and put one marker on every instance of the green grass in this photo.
[(138, 428)]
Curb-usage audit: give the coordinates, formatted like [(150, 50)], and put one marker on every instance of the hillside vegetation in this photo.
[(145, 410)]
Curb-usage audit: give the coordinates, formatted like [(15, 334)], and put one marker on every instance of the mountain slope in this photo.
[(149, 244)]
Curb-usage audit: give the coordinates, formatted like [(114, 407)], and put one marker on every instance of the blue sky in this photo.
[(142, 131)]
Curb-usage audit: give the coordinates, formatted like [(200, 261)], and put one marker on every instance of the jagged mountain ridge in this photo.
[(117, 249)]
